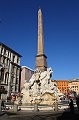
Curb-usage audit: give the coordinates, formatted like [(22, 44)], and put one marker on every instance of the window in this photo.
[(17, 60), (1, 50), (15, 88), (4, 51), (13, 58), (6, 77), (2, 74), (11, 88), (8, 53), (3, 60)]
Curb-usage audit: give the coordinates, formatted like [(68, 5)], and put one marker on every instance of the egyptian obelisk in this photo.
[(41, 62)]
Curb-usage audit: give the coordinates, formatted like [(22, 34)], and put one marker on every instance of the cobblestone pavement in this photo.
[(66, 115), (30, 116)]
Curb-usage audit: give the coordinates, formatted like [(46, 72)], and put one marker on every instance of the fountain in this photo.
[(39, 89)]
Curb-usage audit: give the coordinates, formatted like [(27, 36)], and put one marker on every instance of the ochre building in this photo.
[(62, 85)]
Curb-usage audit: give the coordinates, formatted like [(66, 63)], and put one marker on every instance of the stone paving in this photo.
[(45, 115), (30, 116)]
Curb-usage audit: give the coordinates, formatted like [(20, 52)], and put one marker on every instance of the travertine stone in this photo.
[(41, 62)]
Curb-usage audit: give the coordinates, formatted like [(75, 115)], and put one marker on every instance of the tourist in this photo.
[(2, 105), (71, 105)]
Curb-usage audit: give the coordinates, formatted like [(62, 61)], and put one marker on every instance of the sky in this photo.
[(18, 30)]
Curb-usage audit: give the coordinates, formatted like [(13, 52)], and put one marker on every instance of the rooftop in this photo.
[(27, 68), (2, 44)]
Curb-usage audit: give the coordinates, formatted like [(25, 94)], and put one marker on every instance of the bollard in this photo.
[(56, 106), (15, 108), (0, 104), (35, 107)]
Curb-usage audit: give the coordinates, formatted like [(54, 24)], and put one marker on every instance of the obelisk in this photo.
[(41, 62)]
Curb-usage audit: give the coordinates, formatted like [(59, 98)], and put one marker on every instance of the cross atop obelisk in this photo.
[(41, 62)]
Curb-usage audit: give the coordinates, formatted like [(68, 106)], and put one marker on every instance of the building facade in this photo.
[(26, 74), (74, 85), (66, 86), (11, 71), (62, 85)]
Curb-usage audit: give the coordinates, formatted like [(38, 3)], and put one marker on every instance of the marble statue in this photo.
[(39, 85)]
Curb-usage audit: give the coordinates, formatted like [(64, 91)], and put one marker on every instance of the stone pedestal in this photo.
[(15, 108)]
